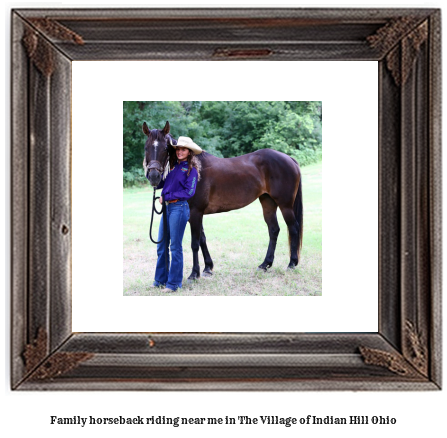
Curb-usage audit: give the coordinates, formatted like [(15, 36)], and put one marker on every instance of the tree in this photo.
[(226, 129)]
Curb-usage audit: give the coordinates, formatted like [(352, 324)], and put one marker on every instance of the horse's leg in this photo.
[(292, 226), (208, 271), (269, 208), (195, 222)]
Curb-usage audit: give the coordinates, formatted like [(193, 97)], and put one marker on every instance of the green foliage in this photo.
[(134, 177), (155, 114), (226, 129)]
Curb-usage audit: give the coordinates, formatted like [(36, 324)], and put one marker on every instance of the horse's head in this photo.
[(156, 152)]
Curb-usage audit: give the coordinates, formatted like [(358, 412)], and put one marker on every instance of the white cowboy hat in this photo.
[(186, 142)]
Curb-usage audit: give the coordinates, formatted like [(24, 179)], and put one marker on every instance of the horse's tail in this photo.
[(298, 211)]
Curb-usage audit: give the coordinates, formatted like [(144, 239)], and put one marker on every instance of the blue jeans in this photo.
[(177, 217)]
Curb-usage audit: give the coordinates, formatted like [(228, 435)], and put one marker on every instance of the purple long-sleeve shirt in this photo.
[(178, 184)]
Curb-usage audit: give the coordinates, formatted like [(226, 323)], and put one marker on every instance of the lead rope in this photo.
[(165, 225), (154, 209)]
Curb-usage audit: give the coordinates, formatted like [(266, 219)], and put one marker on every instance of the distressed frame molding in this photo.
[(405, 354)]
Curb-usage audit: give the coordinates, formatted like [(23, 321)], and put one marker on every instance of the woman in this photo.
[(180, 185)]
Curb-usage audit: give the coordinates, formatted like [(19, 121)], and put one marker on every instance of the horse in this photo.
[(232, 183)]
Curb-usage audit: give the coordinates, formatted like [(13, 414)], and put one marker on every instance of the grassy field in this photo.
[(237, 242)]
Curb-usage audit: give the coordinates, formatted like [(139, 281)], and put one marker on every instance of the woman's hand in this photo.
[(161, 199)]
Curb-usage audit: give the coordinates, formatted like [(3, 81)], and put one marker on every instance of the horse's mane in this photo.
[(202, 156), (199, 161)]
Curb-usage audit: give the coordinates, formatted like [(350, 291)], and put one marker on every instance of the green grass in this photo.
[(237, 242)]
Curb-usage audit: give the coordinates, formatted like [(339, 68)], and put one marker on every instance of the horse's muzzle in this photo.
[(154, 177), (153, 172)]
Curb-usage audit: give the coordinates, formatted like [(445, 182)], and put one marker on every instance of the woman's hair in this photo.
[(193, 161)]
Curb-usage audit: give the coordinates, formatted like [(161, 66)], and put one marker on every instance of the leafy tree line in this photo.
[(225, 129)]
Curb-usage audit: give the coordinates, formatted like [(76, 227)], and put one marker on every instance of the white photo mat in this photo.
[(349, 92)]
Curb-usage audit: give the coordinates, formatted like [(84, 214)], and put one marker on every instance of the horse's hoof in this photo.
[(191, 280), (291, 267), (260, 268), (207, 274)]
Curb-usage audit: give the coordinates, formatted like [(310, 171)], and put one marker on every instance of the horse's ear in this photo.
[(172, 141), (145, 129), (166, 129)]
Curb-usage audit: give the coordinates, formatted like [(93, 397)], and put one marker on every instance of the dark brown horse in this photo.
[(230, 183)]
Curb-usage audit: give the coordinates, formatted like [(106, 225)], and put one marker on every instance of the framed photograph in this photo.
[(233, 196), (399, 261)]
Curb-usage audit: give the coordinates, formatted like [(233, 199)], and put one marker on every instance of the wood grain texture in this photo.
[(389, 207), (60, 201), (405, 354), (435, 195), (19, 198), (39, 200)]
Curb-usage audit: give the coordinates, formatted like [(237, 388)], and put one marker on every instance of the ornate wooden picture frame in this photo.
[(405, 353)]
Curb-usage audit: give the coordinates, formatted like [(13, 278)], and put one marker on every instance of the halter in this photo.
[(154, 164)]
